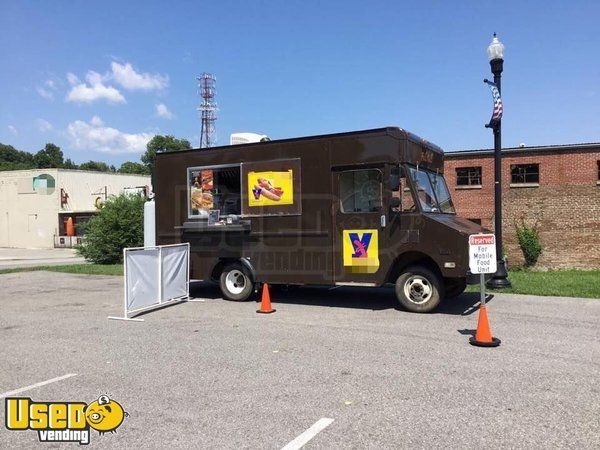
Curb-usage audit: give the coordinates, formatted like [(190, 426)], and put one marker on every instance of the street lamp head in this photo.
[(496, 49)]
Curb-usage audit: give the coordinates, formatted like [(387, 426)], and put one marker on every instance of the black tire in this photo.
[(455, 286), (236, 283), (419, 290)]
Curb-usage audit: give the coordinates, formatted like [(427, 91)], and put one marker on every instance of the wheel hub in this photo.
[(235, 282), (418, 289)]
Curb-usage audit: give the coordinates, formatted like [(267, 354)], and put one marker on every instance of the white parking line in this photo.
[(301, 440), (41, 383)]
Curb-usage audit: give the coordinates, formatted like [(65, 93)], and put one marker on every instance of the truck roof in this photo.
[(396, 132)]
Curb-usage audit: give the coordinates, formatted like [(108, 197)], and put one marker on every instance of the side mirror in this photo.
[(394, 182)]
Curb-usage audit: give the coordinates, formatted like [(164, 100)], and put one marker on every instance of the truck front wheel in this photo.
[(418, 289), (235, 283)]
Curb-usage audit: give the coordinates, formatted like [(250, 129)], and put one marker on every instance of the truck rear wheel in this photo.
[(236, 283), (419, 290)]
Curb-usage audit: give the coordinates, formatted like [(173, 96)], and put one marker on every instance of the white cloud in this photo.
[(93, 90), (97, 137), (126, 76), (163, 111), (72, 79), (43, 125), (46, 91), (96, 121), (97, 86), (13, 130), (94, 78)]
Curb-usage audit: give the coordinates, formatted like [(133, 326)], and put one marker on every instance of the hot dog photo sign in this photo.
[(271, 188)]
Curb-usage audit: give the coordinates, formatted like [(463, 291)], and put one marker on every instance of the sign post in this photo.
[(482, 260)]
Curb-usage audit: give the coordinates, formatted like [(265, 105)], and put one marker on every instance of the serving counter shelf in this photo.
[(202, 226)]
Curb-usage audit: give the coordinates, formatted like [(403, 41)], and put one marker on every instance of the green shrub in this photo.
[(529, 241), (118, 224)]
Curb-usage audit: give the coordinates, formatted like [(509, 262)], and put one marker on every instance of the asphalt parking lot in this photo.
[(12, 258), (215, 374)]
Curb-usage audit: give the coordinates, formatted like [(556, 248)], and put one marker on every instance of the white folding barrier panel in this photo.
[(154, 276)]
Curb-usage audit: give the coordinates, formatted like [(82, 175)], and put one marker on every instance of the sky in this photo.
[(99, 79)]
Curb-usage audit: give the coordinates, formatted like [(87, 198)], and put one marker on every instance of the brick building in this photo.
[(556, 187)]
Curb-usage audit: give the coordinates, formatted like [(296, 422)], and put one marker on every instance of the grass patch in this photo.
[(84, 269), (559, 283)]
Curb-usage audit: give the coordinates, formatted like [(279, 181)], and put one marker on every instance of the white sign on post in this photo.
[(482, 253)]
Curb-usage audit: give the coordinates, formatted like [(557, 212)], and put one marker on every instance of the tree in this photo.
[(133, 167), (97, 166), (162, 144), (118, 224), (51, 156), (13, 159), (9, 154), (68, 164), (529, 241)]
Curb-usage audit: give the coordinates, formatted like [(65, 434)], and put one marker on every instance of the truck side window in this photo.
[(360, 191), (406, 198), (425, 192), (395, 189)]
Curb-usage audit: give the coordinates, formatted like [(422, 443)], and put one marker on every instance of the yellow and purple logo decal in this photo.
[(361, 251)]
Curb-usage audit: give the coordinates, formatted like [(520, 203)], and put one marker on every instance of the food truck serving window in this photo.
[(214, 188), (360, 191)]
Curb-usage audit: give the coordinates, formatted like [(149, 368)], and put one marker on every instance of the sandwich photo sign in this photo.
[(201, 187)]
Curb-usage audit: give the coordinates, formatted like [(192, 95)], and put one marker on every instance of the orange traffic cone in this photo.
[(265, 301), (70, 227), (483, 336)]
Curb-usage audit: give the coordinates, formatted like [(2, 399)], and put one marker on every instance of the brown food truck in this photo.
[(365, 208)]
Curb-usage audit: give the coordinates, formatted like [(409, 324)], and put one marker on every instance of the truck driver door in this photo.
[(358, 224)]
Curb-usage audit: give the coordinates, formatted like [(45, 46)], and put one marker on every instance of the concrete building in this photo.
[(35, 204), (556, 188)]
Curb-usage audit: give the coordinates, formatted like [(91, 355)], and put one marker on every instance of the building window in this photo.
[(598, 181), (44, 184), (525, 174), (468, 176)]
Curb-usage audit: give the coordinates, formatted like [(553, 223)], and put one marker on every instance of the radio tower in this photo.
[(208, 109)]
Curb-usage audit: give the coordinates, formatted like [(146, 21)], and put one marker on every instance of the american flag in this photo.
[(497, 114)]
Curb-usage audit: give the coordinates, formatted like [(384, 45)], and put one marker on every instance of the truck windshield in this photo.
[(432, 191)]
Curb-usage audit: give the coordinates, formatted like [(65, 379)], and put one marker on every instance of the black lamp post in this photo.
[(500, 278)]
